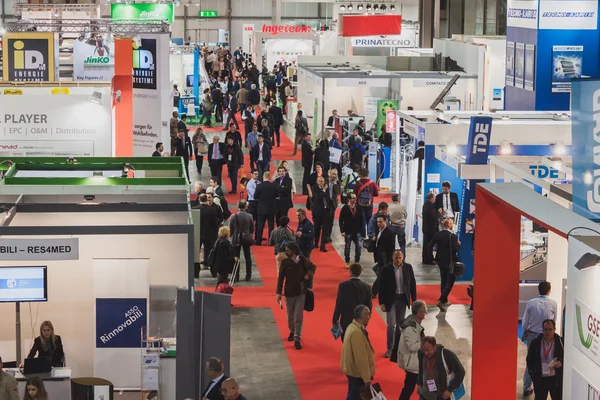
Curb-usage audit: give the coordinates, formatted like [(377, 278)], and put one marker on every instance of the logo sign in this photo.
[(479, 140), (585, 132), (39, 249), (207, 14), (144, 65), (390, 121), (93, 58), (587, 339), (522, 14), (28, 57), (543, 172), (275, 29), (143, 11), (561, 15), (119, 321), (408, 39)]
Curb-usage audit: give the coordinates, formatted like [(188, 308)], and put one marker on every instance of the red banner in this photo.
[(371, 25)]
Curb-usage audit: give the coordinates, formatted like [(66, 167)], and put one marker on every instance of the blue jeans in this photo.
[(262, 167), (349, 239), (401, 236), (355, 386), (366, 213)]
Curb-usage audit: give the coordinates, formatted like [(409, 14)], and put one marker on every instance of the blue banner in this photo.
[(119, 322), (585, 136), (478, 150)]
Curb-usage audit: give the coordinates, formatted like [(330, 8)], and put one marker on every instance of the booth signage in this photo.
[(119, 322), (522, 14), (430, 82), (543, 172), (207, 14), (587, 339), (383, 108), (390, 121), (93, 58), (561, 15), (356, 82), (143, 11), (408, 38), (247, 37), (144, 65), (39, 249), (275, 29), (28, 57)]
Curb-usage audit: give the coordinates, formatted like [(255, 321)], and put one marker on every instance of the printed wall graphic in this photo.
[(582, 389), (529, 66), (383, 106), (567, 63), (510, 63), (143, 11), (119, 322), (28, 57), (588, 326), (144, 65), (519, 64), (93, 58), (287, 50)]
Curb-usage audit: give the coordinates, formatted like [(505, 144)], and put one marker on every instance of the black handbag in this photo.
[(246, 239), (369, 244), (309, 301)]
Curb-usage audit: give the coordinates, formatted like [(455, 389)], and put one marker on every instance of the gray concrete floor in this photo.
[(252, 336)]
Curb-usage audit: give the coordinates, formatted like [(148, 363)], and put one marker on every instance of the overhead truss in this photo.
[(83, 26)]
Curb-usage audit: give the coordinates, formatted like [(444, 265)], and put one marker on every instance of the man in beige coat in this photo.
[(358, 357), (409, 345), (8, 386)]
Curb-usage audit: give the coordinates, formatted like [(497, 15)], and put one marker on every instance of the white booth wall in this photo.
[(68, 124), (72, 285)]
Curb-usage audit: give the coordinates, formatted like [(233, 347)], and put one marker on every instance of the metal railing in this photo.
[(114, 26)]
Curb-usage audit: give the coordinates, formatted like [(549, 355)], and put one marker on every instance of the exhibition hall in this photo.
[(277, 199)]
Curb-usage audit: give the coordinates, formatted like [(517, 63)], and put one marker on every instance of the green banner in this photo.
[(143, 11), (207, 14), (383, 106)]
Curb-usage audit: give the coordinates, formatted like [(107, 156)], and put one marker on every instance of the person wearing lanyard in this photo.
[(435, 362), (262, 155), (544, 362)]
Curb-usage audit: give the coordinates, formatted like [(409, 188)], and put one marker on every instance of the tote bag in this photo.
[(460, 392)]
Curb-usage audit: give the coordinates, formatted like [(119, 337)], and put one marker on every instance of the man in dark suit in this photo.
[(334, 187), (261, 153), (447, 248), (446, 203), (266, 195), (209, 226), (420, 155), (429, 228), (350, 294), (235, 160), (284, 199), (183, 148), (385, 243), (216, 373), (217, 100), (397, 292), (307, 160), (321, 208), (216, 157), (277, 115), (159, 150)]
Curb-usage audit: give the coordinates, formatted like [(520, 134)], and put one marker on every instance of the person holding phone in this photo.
[(48, 345)]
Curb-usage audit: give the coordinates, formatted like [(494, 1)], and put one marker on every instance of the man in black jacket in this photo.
[(322, 155), (350, 294), (284, 198), (217, 100), (446, 203), (232, 108), (321, 208), (544, 362), (432, 368), (447, 248), (305, 233), (209, 227), (277, 115), (235, 160), (266, 195), (216, 157), (307, 160), (398, 289), (350, 227), (183, 148), (385, 244), (429, 228), (216, 373)]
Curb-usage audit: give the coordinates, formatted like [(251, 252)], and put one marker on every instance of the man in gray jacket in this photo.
[(9, 389), (242, 227), (409, 345)]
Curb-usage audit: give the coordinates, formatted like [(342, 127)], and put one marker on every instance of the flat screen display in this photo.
[(190, 80), (23, 284)]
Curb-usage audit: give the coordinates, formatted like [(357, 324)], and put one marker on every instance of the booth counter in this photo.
[(57, 383)]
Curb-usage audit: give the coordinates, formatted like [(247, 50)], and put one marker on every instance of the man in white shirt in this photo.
[(252, 204), (536, 312), (446, 203)]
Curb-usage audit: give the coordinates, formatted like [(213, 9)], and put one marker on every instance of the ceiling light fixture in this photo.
[(392, 7), (369, 7), (383, 7), (375, 7), (360, 7), (342, 7), (559, 148), (505, 147), (350, 7)]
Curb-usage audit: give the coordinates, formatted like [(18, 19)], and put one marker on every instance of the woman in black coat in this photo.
[(225, 255), (322, 156), (48, 345)]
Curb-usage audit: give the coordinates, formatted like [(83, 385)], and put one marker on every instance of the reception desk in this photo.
[(57, 382)]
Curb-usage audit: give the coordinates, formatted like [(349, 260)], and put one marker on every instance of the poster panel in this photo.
[(119, 322), (519, 64), (567, 63), (93, 58), (383, 106), (510, 63), (28, 57), (529, 67)]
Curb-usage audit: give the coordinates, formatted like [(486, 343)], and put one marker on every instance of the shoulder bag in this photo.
[(456, 267), (460, 392)]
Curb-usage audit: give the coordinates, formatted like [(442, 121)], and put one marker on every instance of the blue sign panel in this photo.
[(119, 322), (585, 136), (478, 149)]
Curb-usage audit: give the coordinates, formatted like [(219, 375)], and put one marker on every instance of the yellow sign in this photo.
[(12, 91), (28, 57), (63, 90)]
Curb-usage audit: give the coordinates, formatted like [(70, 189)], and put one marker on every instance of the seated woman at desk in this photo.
[(48, 345), (34, 389)]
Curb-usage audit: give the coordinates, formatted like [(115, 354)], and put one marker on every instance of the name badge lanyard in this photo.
[(547, 353), (430, 366)]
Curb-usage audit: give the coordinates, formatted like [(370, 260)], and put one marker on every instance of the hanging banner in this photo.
[(478, 149), (585, 106), (247, 38), (93, 58), (510, 63), (144, 66), (119, 322), (383, 106), (143, 11), (29, 57)]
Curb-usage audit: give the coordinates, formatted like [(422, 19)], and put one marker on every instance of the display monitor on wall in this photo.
[(189, 80), (23, 284)]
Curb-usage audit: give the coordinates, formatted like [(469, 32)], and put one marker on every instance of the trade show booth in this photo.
[(283, 43), (381, 45)]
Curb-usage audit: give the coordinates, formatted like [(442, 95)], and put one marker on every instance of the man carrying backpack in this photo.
[(349, 182), (301, 127), (365, 190)]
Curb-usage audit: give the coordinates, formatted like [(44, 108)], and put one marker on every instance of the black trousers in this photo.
[(410, 381), (543, 386), (233, 176), (321, 225), (199, 162), (277, 135), (230, 118), (219, 112), (216, 168), (247, 257), (447, 282), (281, 212), (305, 176), (330, 225), (426, 253), (270, 219)]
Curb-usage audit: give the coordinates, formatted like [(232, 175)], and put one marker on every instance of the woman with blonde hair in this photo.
[(225, 255), (48, 345), (35, 390)]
